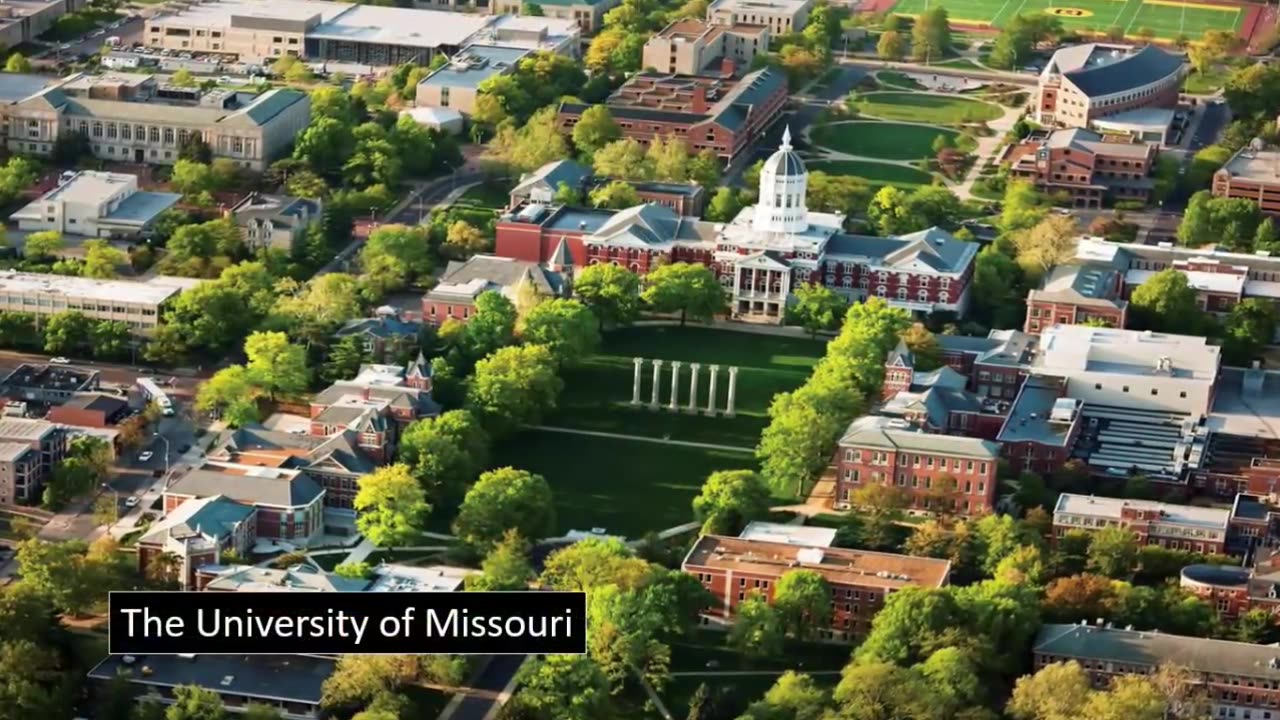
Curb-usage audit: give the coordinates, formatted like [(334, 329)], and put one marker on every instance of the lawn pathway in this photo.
[(641, 438), (987, 147)]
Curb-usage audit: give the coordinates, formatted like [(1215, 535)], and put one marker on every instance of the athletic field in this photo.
[(1166, 18)]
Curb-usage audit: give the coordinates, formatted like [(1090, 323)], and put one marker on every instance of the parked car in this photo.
[(145, 456), (131, 501)]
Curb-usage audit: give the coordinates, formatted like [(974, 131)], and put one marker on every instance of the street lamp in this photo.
[(166, 457)]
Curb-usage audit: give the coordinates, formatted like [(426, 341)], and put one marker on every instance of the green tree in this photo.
[(567, 687), (691, 289), (759, 629), (816, 308), (502, 500), (724, 205), (344, 360), (931, 35), (567, 327), (446, 452), (1166, 302), (492, 326), (17, 64), (68, 332), (1249, 328), (594, 563), (191, 178), (42, 245), (891, 46), (353, 570), (101, 259), (232, 394), (1113, 552), (276, 365), (392, 507), (514, 386), (729, 500), (617, 195), (793, 697), (924, 347), (595, 129), (804, 599), (1059, 691), (612, 292), (392, 257), (623, 159), (505, 567)]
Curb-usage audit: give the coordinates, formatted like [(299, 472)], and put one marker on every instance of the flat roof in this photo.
[(1255, 165), (1111, 508), (1031, 417), (475, 64), (10, 451), (1076, 348), (841, 565), (19, 86), (790, 6), (400, 26), (90, 186), (806, 535), (1152, 648), (54, 377), (150, 292), (291, 678), (433, 578), (24, 428), (218, 14)]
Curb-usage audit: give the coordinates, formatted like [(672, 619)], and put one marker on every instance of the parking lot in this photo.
[(128, 29)]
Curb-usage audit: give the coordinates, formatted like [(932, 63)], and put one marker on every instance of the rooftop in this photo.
[(1113, 508), (404, 578), (50, 377), (24, 429), (475, 64), (759, 6), (258, 485), (299, 578), (250, 13), (1099, 69), (101, 402), (787, 534), (212, 517), (1252, 163), (482, 273), (1149, 648), (838, 565), (1080, 285), (10, 451), (1040, 414), (406, 27), (882, 432), (1080, 348), (149, 292), (1246, 403), (18, 86), (288, 678)]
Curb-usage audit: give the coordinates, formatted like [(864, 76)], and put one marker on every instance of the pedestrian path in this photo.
[(641, 438)]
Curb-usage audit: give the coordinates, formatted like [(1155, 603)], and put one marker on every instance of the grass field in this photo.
[(875, 173), (888, 141), (898, 80), (597, 394), (494, 195), (1166, 18), (915, 107), (625, 486)]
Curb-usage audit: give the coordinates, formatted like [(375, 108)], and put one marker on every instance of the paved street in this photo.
[(185, 380), (496, 676)]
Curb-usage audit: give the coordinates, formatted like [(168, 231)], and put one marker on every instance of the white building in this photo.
[(1132, 369), (782, 17), (95, 204), (137, 304)]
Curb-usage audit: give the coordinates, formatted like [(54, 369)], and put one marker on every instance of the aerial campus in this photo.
[(858, 360)]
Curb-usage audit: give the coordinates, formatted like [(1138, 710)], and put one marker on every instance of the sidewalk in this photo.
[(641, 438)]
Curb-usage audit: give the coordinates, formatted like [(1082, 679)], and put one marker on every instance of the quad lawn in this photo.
[(888, 141), (1167, 19), (876, 174), (597, 393), (628, 487), (897, 79), (917, 107)]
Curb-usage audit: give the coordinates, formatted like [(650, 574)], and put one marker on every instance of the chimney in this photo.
[(698, 103), (366, 392)]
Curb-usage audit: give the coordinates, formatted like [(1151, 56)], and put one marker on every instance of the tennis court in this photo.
[(1166, 18)]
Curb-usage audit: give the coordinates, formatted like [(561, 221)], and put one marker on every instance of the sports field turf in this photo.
[(918, 107), (1166, 18), (887, 141)]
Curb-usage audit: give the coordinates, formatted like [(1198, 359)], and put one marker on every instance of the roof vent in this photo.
[(227, 680), (810, 556)]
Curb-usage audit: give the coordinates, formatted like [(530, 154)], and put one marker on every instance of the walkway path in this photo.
[(987, 147), (641, 438), (733, 326)]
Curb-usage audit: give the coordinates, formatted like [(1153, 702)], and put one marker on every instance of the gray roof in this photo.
[(292, 678), (1150, 649), (1091, 142), (298, 578), (142, 207), (270, 104), (1000, 347), (936, 403), (754, 89), (580, 219), (283, 210), (19, 86), (933, 249), (876, 431), (11, 451), (102, 402), (474, 64), (215, 516), (383, 327), (260, 486), (341, 447), (784, 163), (570, 172), (944, 377), (1147, 66), (1080, 285), (1029, 417), (24, 428), (496, 273)]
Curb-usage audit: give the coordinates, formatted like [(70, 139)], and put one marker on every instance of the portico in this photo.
[(761, 285)]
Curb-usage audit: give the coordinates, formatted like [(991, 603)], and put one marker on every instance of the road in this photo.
[(129, 32), (492, 680), (1011, 78), (185, 379)]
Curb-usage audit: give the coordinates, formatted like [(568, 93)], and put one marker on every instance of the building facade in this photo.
[(1082, 83), (46, 440), (1075, 295), (137, 304), (1253, 173), (781, 17), (689, 47), (1178, 527), (275, 221), (588, 15), (735, 569), (454, 296), (288, 504), (20, 473), (95, 204), (1088, 167)]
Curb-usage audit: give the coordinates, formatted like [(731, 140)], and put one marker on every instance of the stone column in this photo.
[(692, 409), (657, 380), (635, 382), (675, 386), (711, 395), (733, 391)]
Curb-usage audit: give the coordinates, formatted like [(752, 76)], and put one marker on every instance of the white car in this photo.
[(59, 360), (131, 502), (145, 456)]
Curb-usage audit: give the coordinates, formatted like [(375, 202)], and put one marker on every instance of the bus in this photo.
[(152, 392)]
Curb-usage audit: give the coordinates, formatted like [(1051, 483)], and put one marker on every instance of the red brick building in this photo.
[(1251, 174), (1242, 679), (1233, 590), (733, 569), (1086, 166), (1084, 83), (90, 410), (1074, 295), (1179, 527), (195, 532), (542, 185), (454, 296), (717, 112), (288, 504), (934, 472), (375, 406), (1041, 428)]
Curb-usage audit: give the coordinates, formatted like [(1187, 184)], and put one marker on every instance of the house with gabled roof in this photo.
[(195, 533), (289, 503), (454, 296)]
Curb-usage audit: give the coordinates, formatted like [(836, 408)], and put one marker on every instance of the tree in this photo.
[(729, 500), (566, 327), (623, 159), (353, 570), (803, 597), (492, 326), (758, 628), (669, 157), (884, 505), (193, 148), (358, 679), (843, 194), (1059, 691), (536, 143), (816, 308), (689, 288), (68, 333), (705, 169), (1113, 552), (724, 205), (275, 365), (502, 500), (191, 178), (566, 687), (612, 292), (391, 506), (101, 259), (60, 572), (923, 346), (465, 240), (232, 394), (325, 145), (595, 129), (883, 691), (793, 696), (531, 9), (505, 567), (596, 562), (617, 195), (891, 46), (42, 245), (931, 35), (393, 256), (445, 453), (1249, 328), (17, 64), (191, 702), (1046, 244), (567, 195), (1166, 302)]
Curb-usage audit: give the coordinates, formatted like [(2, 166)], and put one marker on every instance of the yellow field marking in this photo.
[(1198, 6), (950, 18), (1069, 12)]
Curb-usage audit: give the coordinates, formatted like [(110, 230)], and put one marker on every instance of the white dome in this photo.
[(784, 162), (783, 185)]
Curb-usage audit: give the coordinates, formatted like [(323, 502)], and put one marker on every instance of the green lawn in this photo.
[(1205, 83), (888, 141), (597, 394), (917, 107), (898, 79), (625, 486), (1166, 18), (493, 195), (875, 173)]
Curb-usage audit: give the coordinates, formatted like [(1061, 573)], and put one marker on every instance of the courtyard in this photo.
[(886, 140), (924, 108)]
